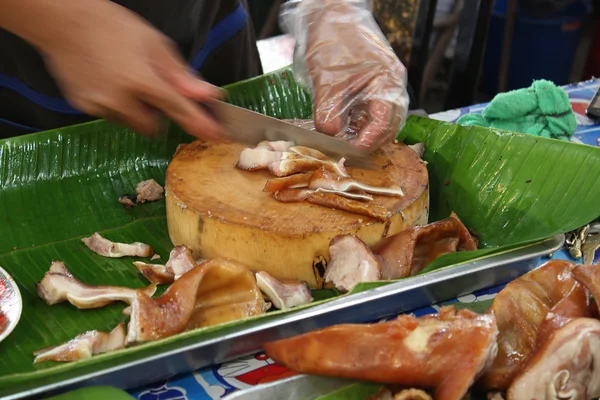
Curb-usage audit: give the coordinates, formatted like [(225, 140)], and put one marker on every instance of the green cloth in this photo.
[(541, 110)]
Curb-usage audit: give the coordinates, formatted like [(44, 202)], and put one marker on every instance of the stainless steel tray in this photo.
[(235, 342)]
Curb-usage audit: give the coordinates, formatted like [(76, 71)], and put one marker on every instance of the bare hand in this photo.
[(112, 64)]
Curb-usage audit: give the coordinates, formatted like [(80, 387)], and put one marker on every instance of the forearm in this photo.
[(44, 23)]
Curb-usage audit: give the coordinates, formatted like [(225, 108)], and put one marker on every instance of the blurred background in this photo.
[(463, 52)]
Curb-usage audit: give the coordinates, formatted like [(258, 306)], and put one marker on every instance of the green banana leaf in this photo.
[(59, 186)]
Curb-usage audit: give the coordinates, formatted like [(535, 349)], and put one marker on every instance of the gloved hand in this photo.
[(342, 57)]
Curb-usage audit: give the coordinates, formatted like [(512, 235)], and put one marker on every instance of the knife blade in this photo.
[(249, 127)]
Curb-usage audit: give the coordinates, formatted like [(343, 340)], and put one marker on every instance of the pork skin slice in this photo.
[(180, 261), (565, 367), (106, 248), (327, 178), (283, 293), (520, 308), (149, 190), (446, 351), (58, 285), (334, 200), (84, 346), (295, 181), (350, 263), (214, 292)]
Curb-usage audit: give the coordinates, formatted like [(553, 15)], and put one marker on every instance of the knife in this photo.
[(250, 127)]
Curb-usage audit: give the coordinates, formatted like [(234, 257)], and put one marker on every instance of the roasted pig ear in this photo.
[(446, 351), (213, 292), (520, 308), (104, 247), (565, 367), (409, 252)]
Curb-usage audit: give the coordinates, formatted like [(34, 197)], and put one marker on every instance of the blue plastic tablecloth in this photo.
[(220, 380)]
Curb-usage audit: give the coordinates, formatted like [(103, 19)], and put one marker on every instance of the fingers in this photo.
[(381, 128), (136, 116), (175, 72), (329, 113), (183, 111)]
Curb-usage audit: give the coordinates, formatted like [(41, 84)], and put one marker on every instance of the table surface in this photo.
[(220, 380)]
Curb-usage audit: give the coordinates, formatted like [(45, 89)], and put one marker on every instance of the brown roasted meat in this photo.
[(520, 309), (445, 351)]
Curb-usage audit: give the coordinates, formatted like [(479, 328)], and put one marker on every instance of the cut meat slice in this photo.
[(106, 248), (327, 178), (284, 294), (258, 158), (180, 261), (59, 285), (149, 190), (354, 206), (295, 181), (350, 263), (446, 351), (84, 346)]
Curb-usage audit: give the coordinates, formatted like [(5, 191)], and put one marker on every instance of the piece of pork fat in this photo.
[(283, 293), (149, 190), (520, 308), (277, 145), (180, 261), (106, 248), (409, 252), (257, 158), (565, 367), (59, 285), (327, 178), (445, 351), (350, 263), (213, 292), (84, 346)]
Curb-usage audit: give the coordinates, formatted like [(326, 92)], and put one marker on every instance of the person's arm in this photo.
[(345, 60), (112, 64)]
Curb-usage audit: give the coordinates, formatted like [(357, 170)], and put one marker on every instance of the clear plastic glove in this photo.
[(343, 58)]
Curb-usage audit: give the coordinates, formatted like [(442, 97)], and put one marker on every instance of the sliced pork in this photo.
[(295, 181), (149, 190), (106, 248), (257, 158), (283, 293), (84, 346), (58, 285), (334, 200), (327, 178), (350, 263), (180, 261), (446, 351)]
